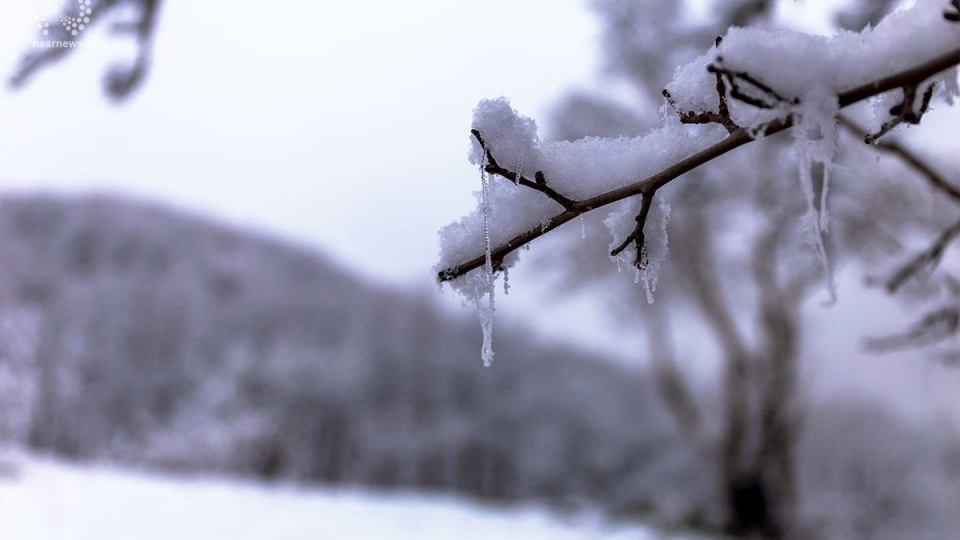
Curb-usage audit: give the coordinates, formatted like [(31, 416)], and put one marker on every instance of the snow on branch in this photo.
[(527, 215)]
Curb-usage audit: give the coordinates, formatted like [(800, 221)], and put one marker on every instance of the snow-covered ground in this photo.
[(47, 499)]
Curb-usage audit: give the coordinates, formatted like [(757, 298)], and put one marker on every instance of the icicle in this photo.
[(486, 314), (813, 223), (485, 211), (619, 267), (647, 288), (824, 211), (506, 281), (816, 140), (486, 325), (520, 167), (636, 275), (583, 227)]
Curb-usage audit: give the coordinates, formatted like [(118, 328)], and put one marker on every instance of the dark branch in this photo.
[(637, 235), (926, 259), (722, 116), (736, 139), (539, 183), (904, 112), (911, 159), (120, 81), (935, 326), (952, 13), (735, 78)]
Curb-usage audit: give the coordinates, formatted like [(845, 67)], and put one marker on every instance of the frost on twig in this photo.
[(539, 182), (636, 237), (908, 111), (646, 246)]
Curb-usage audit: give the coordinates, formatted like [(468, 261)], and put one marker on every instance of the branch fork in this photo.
[(904, 111), (637, 236), (539, 182), (739, 85)]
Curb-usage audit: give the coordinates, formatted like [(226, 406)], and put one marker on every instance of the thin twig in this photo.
[(922, 260), (736, 139), (935, 326), (904, 111), (539, 183), (637, 235), (737, 92), (911, 159)]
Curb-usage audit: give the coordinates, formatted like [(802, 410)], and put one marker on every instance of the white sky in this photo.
[(343, 125)]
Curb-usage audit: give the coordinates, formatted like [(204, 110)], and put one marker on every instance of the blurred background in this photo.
[(218, 314)]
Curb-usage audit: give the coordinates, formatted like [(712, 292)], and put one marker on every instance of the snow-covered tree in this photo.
[(821, 189)]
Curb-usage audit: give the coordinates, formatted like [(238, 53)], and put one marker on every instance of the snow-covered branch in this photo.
[(450, 269)]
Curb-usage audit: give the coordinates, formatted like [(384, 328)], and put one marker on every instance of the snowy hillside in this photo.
[(41, 499)]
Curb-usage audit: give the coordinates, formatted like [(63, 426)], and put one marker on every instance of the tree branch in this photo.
[(928, 257), (637, 235), (539, 183), (737, 138), (911, 159), (904, 111)]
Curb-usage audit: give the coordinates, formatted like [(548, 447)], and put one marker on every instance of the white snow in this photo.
[(43, 499), (794, 63), (578, 170), (655, 247)]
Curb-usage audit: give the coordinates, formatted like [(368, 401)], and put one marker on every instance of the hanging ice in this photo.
[(815, 140), (486, 312)]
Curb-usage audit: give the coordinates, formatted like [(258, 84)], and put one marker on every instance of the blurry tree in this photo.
[(136, 18), (135, 334), (738, 265)]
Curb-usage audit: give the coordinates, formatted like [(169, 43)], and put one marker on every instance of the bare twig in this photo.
[(637, 235), (904, 112), (935, 326), (539, 183), (120, 81), (734, 78), (929, 257), (737, 138), (911, 159), (722, 116)]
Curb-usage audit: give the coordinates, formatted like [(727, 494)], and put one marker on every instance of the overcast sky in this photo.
[(342, 124)]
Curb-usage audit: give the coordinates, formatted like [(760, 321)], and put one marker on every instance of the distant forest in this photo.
[(133, 332)]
